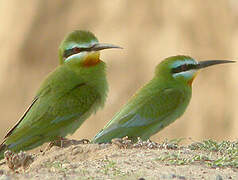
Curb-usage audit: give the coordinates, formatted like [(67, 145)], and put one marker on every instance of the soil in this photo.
[(121, 160)]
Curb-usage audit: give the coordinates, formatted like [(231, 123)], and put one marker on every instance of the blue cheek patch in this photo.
[(186, 74), (78, 56)]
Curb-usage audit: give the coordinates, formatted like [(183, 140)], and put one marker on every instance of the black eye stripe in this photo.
[(74, 50), (68, 53), (184, 67)]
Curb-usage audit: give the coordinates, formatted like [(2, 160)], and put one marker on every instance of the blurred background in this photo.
[(149, 31)]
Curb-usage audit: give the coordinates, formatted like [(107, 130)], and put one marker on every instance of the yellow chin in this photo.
[(91, 59), (190, 82)]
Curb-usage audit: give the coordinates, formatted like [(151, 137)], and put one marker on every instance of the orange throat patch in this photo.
[(190, 82), (91, 61)]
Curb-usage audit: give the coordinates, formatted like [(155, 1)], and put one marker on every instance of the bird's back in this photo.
[(152, 108)]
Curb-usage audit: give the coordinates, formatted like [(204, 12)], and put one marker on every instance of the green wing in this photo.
[(24, 114), (54, 113), (145, 115)]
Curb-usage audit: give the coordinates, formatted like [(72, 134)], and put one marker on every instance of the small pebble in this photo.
[(219, 177), (4, 177)]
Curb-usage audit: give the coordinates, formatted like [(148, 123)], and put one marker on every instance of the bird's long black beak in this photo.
[(101, 46), (204, 64)]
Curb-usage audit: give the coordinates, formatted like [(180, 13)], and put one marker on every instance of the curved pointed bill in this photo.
[(204, 64), (101, 46)]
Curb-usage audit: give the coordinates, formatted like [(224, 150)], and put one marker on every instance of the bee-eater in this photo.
[(157, 104), (66, 98)]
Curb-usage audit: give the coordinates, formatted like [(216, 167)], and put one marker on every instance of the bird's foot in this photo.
[(82, 141), (60, 142), (124, 142), (64, 142)]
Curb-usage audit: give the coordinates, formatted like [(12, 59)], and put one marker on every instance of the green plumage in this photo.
[(60, 108), (157, 104), (66, 98)]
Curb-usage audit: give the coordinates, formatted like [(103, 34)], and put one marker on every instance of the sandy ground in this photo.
[(124, 161)]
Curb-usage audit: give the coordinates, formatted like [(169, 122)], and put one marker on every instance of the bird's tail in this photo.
[(3, 148)]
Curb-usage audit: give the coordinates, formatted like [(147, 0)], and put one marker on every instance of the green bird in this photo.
[(66, 98), (157, 104)]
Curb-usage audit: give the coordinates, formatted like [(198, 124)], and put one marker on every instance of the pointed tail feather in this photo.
[(3, 148)]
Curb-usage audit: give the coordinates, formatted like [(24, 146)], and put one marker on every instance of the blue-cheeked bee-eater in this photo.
[(66, 98), (157, 104)]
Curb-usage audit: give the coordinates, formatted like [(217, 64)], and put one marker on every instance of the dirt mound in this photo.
[(116, 161)]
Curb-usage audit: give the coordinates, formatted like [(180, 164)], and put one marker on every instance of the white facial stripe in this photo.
[(186, 74)]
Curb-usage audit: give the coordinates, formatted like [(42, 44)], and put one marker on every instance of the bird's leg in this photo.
[(82, 141), (124, 142), (64, 142), (57, 142), (60, 142)]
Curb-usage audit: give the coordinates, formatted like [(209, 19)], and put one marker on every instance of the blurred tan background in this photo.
[(31, 30)]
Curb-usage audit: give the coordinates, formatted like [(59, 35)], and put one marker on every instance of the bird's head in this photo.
[(82, 45), (184, 68)]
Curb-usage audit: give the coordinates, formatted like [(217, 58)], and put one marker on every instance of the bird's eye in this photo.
[(76, 50), (72, 51), (183, 67), (180, 68)]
